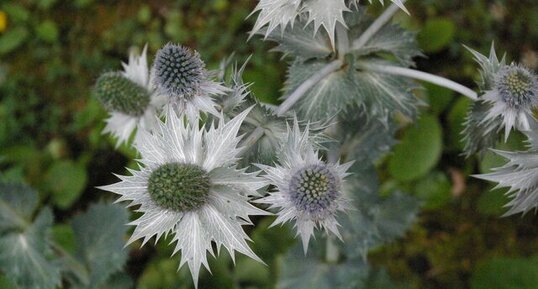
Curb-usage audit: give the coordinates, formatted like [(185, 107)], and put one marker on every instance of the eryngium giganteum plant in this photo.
[(212, 155)]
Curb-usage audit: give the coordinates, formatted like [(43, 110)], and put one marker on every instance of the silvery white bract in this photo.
[(129, 97), (189, 186), (322, 13), (308, 190), (481, 133), (512, 98), (180, 74), (520, 175)]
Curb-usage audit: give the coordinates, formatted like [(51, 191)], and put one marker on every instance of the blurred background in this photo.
[(52, 51)]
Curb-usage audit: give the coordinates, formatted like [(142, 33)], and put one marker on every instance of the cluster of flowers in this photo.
[(190, 182), (197, 134)]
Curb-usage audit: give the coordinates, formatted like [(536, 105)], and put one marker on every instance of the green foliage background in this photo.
[(52, 51)]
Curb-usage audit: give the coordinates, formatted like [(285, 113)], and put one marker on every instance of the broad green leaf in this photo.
[(66, 180), (435, 189), (506, 273), (99, 235), (419, 150), (492, 202), (47, 31), (63, 235), (12, 39), (436, 34), (438, 98), (23, 255)]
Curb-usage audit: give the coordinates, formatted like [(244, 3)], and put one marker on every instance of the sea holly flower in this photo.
[(189, 185), (520, 175), (512, 98), (129, 97), (308, 190), (180, 74)]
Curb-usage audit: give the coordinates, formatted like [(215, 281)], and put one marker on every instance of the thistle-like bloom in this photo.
[(129, 98), (308, 190), (514, 95), (520, 175), (281, 13), (180, 74), (188, 185)]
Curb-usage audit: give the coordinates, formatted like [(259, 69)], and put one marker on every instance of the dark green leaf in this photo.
[(419, 150)]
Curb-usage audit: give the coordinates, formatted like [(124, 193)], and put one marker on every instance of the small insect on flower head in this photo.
[(180, 74), (514, 95), (128, 97), (308, 190), (188, 185)]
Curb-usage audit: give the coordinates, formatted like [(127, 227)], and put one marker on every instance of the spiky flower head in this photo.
[(519, 174), (514, 95), (180, 74), (188, 185), (308, 190), (129, 98)]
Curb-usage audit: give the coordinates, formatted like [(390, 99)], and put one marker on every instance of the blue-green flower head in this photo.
[(513, 97), (180, 75), (308, 190), (177, 70)]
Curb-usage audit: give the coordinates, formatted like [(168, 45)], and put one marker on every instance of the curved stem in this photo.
[(376, 25), (307, 84), (252, 138), (411, 73)]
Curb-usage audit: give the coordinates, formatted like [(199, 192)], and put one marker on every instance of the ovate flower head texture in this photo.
[(308, 190), (129, 97), (514, 95), (180, 74), (188, 185)]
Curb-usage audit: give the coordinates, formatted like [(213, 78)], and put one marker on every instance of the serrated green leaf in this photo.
[(66, 180), (436, 34), (17, 205), (393, 40), (318, 274), (23, 255), (435, 189), (375, 220), (419, 150), (100, 238), (364, 141), (506, 273), (300, 41), (325, 99)]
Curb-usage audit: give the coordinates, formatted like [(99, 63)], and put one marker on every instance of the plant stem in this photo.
[(342, 40), (411, 73), (331, 251), (252, 138), (375, 26), (307, 84)]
